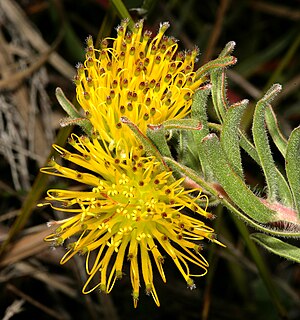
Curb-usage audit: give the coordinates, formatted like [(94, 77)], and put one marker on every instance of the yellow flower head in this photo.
[(147, 81), (134, 210)]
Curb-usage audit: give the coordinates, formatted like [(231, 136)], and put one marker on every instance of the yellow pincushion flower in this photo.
[(146, 81), (134, 209), (130, 206)]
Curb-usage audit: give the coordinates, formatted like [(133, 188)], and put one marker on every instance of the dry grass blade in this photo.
[(13, 79), (25, 107), (15, 13), (13, 309), (27, 246), (56, 282), (3, 228)]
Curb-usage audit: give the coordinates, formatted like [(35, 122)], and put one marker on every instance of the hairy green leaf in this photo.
[(293, 167), (276, 183), (158, 136), (218, 63), (233, 185), (274, 130), (230, 138), (199, 112), (277, 246), (75, 116), (218, 93), (262, 146)]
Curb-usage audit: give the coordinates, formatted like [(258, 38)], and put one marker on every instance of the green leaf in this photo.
[(187, 150), (233, 185), (75, 116), (218, 63), (277, 246), (66, 104), (293, 167), (218, 79), (228, 49), (183, 170), (261, 142), (274, 130), (199, 112), (218, 93), (230, 139), (276, 183), (182, 124), (284, 190), (157, 134)]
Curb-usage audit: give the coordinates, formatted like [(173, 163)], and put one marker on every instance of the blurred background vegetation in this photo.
[(40, 43)]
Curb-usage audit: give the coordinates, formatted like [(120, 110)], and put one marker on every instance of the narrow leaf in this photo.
[(261, 142), (218, 63), (199, 112), (228, 49), (230, 139), (157, 134), (187, 150), (277, 246), (218, 80), (182, 124), (66, 104), (218, 93), (293, 167), (283, 187), (274, 130), (69, 108)]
